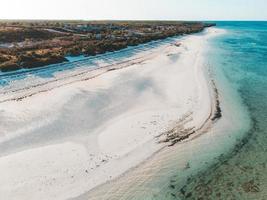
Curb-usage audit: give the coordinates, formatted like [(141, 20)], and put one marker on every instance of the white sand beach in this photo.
[(66, 135)]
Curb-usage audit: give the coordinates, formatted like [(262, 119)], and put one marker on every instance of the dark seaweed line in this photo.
[(214, 116), (218, 110)]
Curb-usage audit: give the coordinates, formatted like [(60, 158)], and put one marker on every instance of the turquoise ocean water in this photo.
[(229, 162), (241, 55)]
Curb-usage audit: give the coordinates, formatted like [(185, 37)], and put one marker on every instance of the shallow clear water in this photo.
[(241, 174)]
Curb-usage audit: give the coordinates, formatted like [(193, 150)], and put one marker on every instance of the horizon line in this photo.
[(189, 20)]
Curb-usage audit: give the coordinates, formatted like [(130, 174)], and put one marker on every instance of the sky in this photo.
[(134, 9)]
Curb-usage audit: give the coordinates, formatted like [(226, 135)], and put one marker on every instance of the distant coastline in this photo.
[(32, 44)]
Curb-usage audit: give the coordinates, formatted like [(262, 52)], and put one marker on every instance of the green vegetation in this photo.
[(28, 44)]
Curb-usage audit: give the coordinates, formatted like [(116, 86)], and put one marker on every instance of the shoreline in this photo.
[(173, 137), (170, 141), (178, 133), (163, 176), (154, 95), (239, 173)]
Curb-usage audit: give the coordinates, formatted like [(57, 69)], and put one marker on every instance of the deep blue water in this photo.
[(241, 54)]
